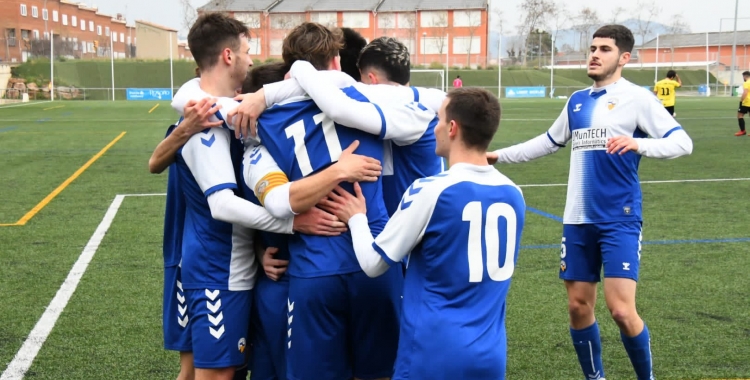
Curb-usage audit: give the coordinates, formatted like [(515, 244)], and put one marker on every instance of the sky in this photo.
[(700, 15)]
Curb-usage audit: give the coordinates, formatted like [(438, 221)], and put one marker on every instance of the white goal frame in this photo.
[(442, 73)]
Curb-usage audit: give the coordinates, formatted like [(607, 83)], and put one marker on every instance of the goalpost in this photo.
[(429, 78)]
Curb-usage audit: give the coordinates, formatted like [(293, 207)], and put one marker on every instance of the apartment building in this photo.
[(440, 31), (78, 31)]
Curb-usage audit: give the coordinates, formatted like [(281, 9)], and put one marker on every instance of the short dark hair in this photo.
[(746, 73), (623, 37), (477, 112), (388, 55), (353, 44), (671, 74), (264, 74), (314, 43), (210, 34)]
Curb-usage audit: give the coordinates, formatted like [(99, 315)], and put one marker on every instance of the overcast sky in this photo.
[(700, 15)]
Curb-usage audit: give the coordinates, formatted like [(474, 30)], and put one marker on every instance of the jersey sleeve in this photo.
[(287, 89), (191, 90), (207, 156), (559, 132), (262, 173), (668, 140), (415, 210)]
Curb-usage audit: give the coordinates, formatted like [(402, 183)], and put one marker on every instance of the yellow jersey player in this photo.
[(665, 90), (744, 103)]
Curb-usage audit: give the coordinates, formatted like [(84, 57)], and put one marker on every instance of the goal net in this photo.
[(428, 78)]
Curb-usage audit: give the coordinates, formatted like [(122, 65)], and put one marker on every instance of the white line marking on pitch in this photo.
[(650, 182), (23, 104), (33, 343)]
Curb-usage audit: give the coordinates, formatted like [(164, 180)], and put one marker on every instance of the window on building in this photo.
[(106, 31), (467, 45), (434, 19), (406, 20), (467, 18), (356, 20), (65, 19), (386, 20), (329, 19), (34, 12), (11, 33), (276, 47), (45, 14), (122, 37), (91, 26), (129, 40), (73, 20), (54, 16), (99, 30), (433, 45), (83, 24), (46, 35), (36, 34), (255, 45), (25, 34), (23, 10)]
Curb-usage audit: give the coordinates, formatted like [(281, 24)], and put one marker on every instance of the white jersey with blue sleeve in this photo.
[(392, 112), (463, 237), (603, 187), (215, 254)]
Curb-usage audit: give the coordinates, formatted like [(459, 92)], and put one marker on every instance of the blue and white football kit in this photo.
[(218, 262), (332, 304), (175, 317), (463, 239), (603, 210), (261, 175), (392, 112)]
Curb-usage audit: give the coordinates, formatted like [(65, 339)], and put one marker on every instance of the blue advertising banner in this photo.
[(525, 92), (149, 94)]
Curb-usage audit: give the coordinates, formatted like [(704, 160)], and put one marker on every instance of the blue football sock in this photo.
[(639, 351), (588, 347)]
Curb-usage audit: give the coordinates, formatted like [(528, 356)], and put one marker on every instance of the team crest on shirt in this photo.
[(611, 103), (261, 188), (562, 265), (627, 210), (241, 345)]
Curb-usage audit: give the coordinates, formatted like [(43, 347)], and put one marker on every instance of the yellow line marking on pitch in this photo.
[(51, 108), (24, 219), (155, 107)]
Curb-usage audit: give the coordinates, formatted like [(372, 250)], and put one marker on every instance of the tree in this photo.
[(616, 14), (645, 14), (440, 25), (587, 20), (677, 27), (474, 20), (534, 13), (190, 14), (557, 20)]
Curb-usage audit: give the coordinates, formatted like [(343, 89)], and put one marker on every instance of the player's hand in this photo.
[(345, 205), (197, 114), (357, 168), (244, 117), (318, 222), (492, 158), (621, 145), (274, 268)]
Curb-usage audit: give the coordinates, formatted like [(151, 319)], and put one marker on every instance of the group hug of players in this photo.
[(314, 231)]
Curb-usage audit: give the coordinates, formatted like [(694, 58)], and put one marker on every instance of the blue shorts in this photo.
[(219, 327), (175, 320), (586, 248), (344, 326), (269, 324)]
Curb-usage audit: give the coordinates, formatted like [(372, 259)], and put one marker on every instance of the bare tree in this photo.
[(616, 14), (677, 27), (534, 13), (645, 16), (189, 12), (557, 20), (474, 20), (386, 22), (587, 20), (498, 21), (440, 26)]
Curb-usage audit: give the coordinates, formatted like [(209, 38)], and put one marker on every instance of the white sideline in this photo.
[(33, 343), (23, 104)]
